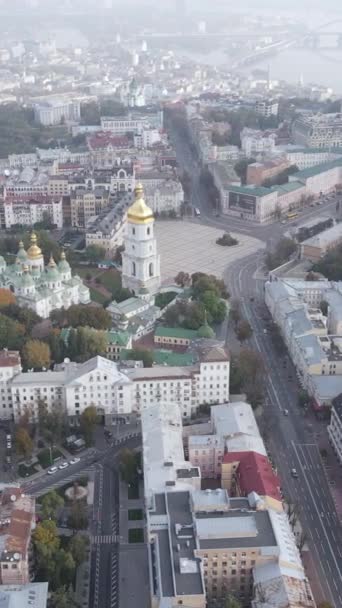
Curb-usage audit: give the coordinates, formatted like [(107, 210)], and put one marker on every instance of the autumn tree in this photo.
[(23, 442), (46, 541), (88, 316), (183, 279), (88, 421), (36, 354), (7, 297), (63, 598), (128, 466)]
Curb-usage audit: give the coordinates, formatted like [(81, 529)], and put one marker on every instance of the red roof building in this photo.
[(103, 140), (253, 473)]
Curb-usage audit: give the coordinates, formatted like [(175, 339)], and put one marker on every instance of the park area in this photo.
[(104, 284)]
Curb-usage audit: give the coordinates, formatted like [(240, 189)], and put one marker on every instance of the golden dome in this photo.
[(34, 252), (139, 212)]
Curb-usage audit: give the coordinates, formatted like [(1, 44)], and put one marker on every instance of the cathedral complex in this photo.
[(42, 288)]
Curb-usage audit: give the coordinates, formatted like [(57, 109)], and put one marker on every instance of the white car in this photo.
[(64, 465), (294, 473), (52, 470), (74, 460)]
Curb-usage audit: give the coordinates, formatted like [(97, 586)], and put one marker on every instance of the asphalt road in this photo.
[(291, 442)]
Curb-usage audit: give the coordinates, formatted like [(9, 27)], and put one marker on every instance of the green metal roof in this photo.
[(120, 338), (311, 171), (176, 332), (168, 357), (257, 191), (290, 187)]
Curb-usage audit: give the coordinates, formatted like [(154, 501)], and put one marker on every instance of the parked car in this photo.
[(74, 460), (286, 412), (52, 470), (294, 473), (64, 465)]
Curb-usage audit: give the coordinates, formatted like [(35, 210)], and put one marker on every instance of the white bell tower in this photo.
[(140, 260)]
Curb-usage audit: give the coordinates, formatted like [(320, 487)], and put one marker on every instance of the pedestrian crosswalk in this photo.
[(60, 482), (105, 539)]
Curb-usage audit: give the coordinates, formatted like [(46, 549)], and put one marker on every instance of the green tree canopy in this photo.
[(11, 333), (95, 253), (128, 466), (88, 316), (50, 504), (243, 330), (78, 548), (88, 421), (141, 354)]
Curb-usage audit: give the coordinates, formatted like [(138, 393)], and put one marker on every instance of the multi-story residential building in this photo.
[(233, 429), (122, 178), (73, 387), (27, 211), (147, 138), (267, 107), (321, 179), (317, 246), (257, 173), (315, 350), (17, 515), (58, 185), (304, 158), (86, 204), (254, 142), (28, 183), (10, 366), (335, 427), (165, 197), (55, 111), (204, 545), (107, 231), (129, 124), (34, 595), (318, 130)]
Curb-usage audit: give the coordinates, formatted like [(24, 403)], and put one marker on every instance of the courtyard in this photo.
[(192, 247)]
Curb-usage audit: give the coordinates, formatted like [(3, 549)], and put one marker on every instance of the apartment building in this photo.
[(72, 387), (17, 520), (165, 197), (335, 427), (86, 204), (317, 246), (58, 185), (27, 183), (254, 142), (27, 212), (107, 231), (34, 595), (203, 544), (315, 348), (321, 179), (318, 130), (232, 429), (10, 366), (267, 107), (304, 158)]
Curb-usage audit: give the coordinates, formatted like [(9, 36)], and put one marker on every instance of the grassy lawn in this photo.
[(97, 296), (135, 514), (133, 491), (44, 457), (24, 471), (136, 535)]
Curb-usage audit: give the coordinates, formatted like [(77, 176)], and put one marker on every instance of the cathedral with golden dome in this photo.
[(42, 288), (140, 259)]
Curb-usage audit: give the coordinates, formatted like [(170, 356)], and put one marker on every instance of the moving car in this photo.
[(286, 412), (52, 470), (294, 473)]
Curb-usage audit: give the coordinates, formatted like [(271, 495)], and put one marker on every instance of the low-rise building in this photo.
[(17, 515), (317, 246), (258, 204), (259, 172), (54, 111), (304, 158), (254, 142), (267, 107), (321, 179), (34, 595), (107, 231)]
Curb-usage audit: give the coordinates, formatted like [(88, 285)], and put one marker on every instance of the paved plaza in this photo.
[(191, 247)]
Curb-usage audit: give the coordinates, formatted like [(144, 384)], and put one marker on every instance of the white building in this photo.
[(267, 107), (254, 142), (304, 158), (53, 112), (72, 387), (335, 428), (30, 212), (318, 130), (320, 179), (140, 260), (167, 196), (10, 366), (34, 595), (42, 289), (147, 138)]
